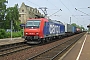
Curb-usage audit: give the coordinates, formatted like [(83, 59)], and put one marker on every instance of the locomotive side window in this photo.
[(33, 24)]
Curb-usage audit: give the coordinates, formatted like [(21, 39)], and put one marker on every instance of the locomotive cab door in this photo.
[(46, 29)]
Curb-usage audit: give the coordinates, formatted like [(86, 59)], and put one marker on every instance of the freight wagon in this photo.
[(69, 29)]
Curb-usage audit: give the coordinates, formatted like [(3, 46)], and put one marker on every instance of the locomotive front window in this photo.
[(33, 24)]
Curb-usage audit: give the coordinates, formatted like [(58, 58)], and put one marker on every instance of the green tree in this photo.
[(12, 15), (16, 17), (81, 27), (73, 24), (2, 11), (9, 17)]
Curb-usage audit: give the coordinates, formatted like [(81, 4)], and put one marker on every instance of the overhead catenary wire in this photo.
[(76, 12), (55, 12), (40, 6), (65, 6), (54, 9), (72, 4), (82, 12), (53, 4), (67, 9), (33, 3), (43, 11), (36, 5)]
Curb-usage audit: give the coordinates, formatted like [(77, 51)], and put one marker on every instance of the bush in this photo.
[(16, 34), (4, 34), (8, 35)]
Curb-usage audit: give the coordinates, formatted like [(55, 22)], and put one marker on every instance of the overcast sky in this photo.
[(81, 16)]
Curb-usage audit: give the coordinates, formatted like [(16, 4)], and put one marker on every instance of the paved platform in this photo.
[(11, 41), (80, 51)]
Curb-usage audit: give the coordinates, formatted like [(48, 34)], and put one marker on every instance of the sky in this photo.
[(80, 15)]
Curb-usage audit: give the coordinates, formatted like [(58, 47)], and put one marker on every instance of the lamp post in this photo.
[(11, 22), (11, 29), (70, 20)]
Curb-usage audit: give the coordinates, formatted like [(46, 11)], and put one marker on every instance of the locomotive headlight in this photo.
[(26, 33), (37, 33)]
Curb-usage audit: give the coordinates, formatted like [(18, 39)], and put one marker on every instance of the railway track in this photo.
[(55, 52), (12, 48)]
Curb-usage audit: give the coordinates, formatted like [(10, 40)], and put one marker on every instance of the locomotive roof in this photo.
[(55, 21)]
